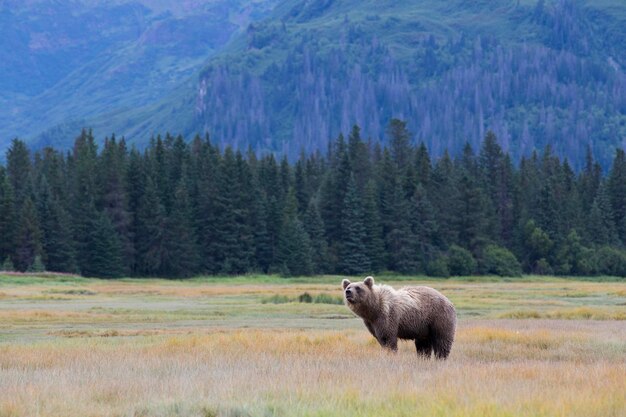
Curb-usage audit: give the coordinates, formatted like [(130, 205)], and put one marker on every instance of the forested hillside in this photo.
[(178, 209), (289, 75), (534, 72)]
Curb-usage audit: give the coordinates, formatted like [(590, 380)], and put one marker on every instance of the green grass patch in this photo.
[(305, 297)]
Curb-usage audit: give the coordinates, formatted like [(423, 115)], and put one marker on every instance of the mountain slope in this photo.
[(64, 65), (536, 73), (288, 75)]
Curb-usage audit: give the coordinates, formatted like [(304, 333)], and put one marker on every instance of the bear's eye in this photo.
[(358, 289)]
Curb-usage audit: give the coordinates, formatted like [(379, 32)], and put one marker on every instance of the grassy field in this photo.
[(246, 346)]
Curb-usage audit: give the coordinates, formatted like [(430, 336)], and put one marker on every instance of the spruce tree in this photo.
[(600, 223), (180, 254), (293, 255), (104, 250), (353, 258), (113, 195), (232, 233), (19, 172), (314, 227), (28, 237), (8, 217), (150, 237), (56, 238), (617, 192), (399, 142), (443, 195), (374, 243), (424, 227)]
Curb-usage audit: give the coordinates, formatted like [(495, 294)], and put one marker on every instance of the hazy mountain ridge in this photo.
[(302, 71), (72, 64), (536, 73)]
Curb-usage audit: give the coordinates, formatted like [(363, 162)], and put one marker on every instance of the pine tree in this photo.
[(19, 172), (470, 220), (423, 165), (600, 225), (180, 244), (352, 248), (424, 226), (150, 237), (314, 227), (399, 238), (113, 196), (232, 233), (8, 218), (104, 250), (444, 195), (374, 243), (56, 238), (399, 140), (28, 237), (617, 192), (293, 255), (84, 194), (7, 265), (37, 266)]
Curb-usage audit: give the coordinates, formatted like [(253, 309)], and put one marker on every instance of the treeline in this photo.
[(179, 209)]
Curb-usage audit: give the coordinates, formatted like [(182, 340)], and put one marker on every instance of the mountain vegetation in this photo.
[(287, 76), (536, 73), (178, 209)]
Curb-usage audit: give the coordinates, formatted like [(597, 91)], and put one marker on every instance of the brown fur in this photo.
[(421, 314)]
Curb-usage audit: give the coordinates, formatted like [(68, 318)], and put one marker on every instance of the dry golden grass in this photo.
[(200, 349)]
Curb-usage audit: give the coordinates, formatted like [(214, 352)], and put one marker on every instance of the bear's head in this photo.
[(358, 293)]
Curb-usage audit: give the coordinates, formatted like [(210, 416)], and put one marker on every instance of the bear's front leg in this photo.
[(388, 341)]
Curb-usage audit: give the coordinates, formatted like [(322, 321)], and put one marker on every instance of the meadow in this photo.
[(251, 346)]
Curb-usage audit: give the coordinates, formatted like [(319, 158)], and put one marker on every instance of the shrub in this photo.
[(460, 261), (7, 265), (610, 261), (37, 265), (305, 298), (542, 267), (501, 261), (438, 267)]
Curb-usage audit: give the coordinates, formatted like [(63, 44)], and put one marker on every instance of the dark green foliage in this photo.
[(617, 192), (37, 265), (293, 257), (57, 241), (28, 237), (573, 258), (610, 261), (460, 261), (7, 265), (353, 250), (178, 210), (180, 246), (104, 252), (315, 228), (150, 232), (499, 261), (8, 219), (438, 267)]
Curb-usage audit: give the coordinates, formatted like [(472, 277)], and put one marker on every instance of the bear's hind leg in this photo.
[(423, 347), (442, 348)]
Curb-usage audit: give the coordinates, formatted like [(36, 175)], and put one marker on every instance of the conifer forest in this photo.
[(179, 208)]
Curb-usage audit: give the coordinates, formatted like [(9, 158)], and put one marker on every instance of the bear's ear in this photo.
[(369, 281), (345, 283)]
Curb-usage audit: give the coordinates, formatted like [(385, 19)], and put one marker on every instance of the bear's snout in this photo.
[(349, 294)]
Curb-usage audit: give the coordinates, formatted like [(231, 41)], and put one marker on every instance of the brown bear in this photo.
[(422, 314)]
